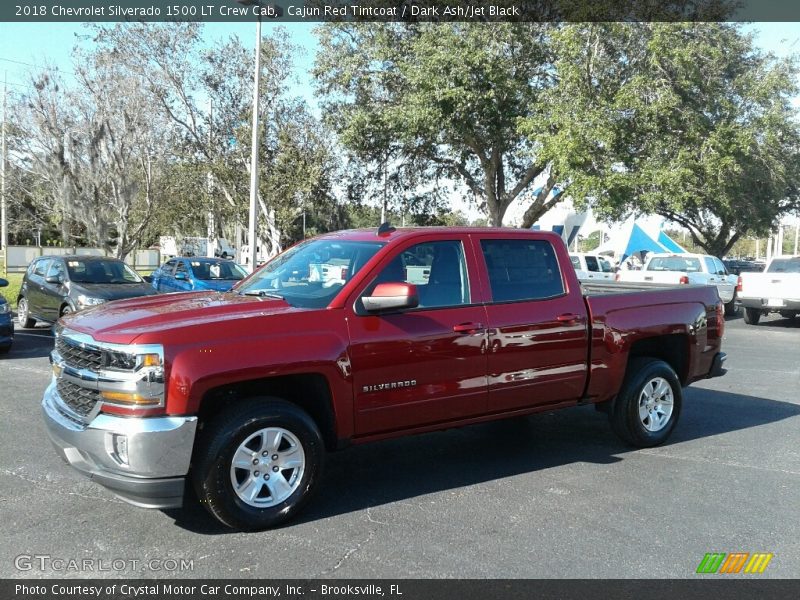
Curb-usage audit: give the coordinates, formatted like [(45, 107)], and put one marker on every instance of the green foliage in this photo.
[(11, 292), (691, 122), (437, 101)]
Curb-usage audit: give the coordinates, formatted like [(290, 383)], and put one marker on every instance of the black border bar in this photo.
[(310, 11)]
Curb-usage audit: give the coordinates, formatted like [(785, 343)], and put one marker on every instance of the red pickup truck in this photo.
[(357, 336)]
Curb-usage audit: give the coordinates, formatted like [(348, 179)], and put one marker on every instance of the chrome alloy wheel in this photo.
[(655, 404), (22, 310), (267, 467)]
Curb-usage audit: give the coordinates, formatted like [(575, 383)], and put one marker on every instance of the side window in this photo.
[(522, 269), (576, 262), (720, 267), (606, 266), (41, 267), (438, 269), (182, 269), (710, 265), (591, 264), (56, 270), (169, 267)]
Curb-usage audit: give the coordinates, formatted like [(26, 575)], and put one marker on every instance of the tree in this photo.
[(95, 145), (696, 122), (176, 70), (442, 101)]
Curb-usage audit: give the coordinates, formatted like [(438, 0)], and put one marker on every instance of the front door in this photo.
[(424, 365)]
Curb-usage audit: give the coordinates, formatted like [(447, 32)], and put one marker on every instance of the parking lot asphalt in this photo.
[(551, 495)]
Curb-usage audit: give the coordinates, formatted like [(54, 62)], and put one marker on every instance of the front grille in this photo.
[(77, 357), (79, 399)]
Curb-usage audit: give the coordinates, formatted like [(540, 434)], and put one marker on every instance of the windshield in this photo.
[(674, 263), (784, 265), (101, 271), (213, 271), (312, 273)]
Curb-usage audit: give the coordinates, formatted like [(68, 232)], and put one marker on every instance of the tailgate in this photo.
[(771, 285)]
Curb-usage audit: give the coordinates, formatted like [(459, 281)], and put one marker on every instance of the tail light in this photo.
[(720, 319), (684, 279), (739, 284)]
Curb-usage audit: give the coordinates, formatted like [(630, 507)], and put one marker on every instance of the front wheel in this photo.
[(648, 405), (752, 316), (257, 464), (23, 316)]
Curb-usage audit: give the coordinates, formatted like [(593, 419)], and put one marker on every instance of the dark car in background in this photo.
[(186, 274), (6, 325), (54, 286), (737, 267)]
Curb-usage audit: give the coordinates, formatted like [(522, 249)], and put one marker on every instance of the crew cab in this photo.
[(684, 268), (242, 393), (777, 289), (592, 267)]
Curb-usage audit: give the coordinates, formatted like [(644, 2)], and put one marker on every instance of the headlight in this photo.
[(123, 361), (89, 301), (5, 308)]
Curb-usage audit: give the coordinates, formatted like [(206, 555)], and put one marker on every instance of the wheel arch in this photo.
[(673, 349), (309, 391)]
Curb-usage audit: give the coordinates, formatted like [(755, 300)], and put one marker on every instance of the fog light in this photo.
[(121, 448)]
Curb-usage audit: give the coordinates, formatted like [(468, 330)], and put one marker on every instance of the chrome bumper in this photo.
[(144, 461)]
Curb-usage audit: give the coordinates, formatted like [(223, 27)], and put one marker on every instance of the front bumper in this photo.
[(765, 304), (6, 330), (151, 474)]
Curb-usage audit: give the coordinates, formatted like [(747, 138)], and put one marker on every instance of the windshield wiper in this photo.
[(262, 294)]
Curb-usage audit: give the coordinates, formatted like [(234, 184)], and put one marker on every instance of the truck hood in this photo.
[(112, 291), (145, 320)]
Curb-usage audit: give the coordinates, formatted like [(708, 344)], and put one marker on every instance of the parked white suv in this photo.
[(684, 268), (592, 267)]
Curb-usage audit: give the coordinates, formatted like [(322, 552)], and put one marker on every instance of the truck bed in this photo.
[(598, 288)]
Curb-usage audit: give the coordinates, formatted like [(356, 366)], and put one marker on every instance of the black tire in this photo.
[(219, 441), (25, 321), (5, 349), (731, 310), (66, 310), (625, 413), (752, 316), (788, 314)]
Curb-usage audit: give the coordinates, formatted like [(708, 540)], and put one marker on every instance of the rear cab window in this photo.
[(522, 269)]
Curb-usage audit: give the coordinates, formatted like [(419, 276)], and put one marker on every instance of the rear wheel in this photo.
[(788, 314), (648, 405), (752, 316), (731, 310), (66, 310), (257, 464), (23, 314)]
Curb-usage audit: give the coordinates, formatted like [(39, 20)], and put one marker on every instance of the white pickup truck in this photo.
[(592, 267), (777, 289), (696, 269)]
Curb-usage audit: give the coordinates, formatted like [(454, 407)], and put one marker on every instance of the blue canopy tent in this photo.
[(670, 244), (640, 242)]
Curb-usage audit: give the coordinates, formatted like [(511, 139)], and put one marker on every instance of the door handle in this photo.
[(568, 318), (468, 328)]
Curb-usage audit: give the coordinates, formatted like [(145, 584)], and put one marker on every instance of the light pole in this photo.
[(253, 216)]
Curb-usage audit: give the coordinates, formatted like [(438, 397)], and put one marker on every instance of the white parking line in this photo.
[(27, 369)]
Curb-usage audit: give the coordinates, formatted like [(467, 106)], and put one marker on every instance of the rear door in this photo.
[(425, 365), (538, 341)]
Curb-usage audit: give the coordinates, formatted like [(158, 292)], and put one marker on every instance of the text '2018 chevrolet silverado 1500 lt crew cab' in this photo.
[(358, 336)]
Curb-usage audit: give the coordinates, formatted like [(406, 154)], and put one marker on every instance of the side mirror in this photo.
[(3, 282), (392, 296), (180, 276), (54, 279)]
